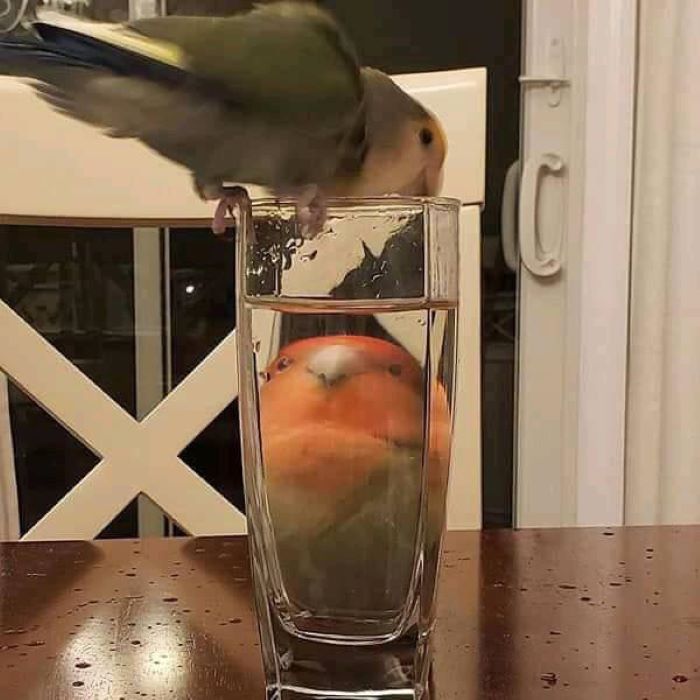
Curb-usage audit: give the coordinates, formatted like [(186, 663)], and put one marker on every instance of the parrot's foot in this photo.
[(229, 199), (232, 198), (311, 212)]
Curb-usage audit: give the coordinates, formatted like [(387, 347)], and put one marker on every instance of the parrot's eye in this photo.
[(426, 136), (282, 364), (395, 370)]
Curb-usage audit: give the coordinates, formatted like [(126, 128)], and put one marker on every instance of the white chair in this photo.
[(85, 178)]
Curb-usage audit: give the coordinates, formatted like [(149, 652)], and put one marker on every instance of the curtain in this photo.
[(9, 511), (663, 416)]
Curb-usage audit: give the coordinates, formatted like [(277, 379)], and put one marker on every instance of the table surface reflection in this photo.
[(532, 614)]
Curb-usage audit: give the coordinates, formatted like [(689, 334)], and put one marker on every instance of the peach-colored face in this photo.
[(411, 165), (334, 409)]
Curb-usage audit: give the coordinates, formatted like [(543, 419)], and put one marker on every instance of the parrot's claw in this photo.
[(228, 204), (218, 224)]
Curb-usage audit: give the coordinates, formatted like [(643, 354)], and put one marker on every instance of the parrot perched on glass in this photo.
[(342, 437), (273, 97)]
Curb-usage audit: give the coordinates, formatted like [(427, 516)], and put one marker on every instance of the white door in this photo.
[(574, 241)]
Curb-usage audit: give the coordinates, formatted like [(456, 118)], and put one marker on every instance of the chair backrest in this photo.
[(67, 173)]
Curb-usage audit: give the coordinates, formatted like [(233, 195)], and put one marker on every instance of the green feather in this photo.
[(284, 59)]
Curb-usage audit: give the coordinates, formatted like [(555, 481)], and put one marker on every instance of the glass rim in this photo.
[(393, 201)]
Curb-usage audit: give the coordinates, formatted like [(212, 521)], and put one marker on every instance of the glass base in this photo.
[(307, 694), (302, 669)]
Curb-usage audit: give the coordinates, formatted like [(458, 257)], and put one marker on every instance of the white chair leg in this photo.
[(9, 504)]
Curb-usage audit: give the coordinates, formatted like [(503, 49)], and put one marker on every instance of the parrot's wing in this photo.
[(287, 60), (205, 92), (163, 116), (166, 119), (284, 61)]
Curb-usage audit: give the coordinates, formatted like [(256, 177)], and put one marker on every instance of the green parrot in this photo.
[(273, 97), (343, 442)]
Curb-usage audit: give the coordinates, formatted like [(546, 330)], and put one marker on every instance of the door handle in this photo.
[(509, 223), (536, 261)]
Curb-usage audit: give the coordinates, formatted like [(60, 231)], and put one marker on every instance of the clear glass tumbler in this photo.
[(347, 368)]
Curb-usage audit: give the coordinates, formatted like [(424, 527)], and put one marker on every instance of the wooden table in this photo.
[(534, 614)]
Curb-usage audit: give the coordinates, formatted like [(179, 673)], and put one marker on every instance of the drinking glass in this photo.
[(347, 342)]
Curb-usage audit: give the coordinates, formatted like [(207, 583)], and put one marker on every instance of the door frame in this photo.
[(570, 465)]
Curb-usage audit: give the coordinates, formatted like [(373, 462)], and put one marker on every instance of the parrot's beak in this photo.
[(428, 183), (432, 180), (335, 363)]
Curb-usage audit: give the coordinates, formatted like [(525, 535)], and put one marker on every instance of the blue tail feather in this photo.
[(30, 60), (58, 46), (100, 54)]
